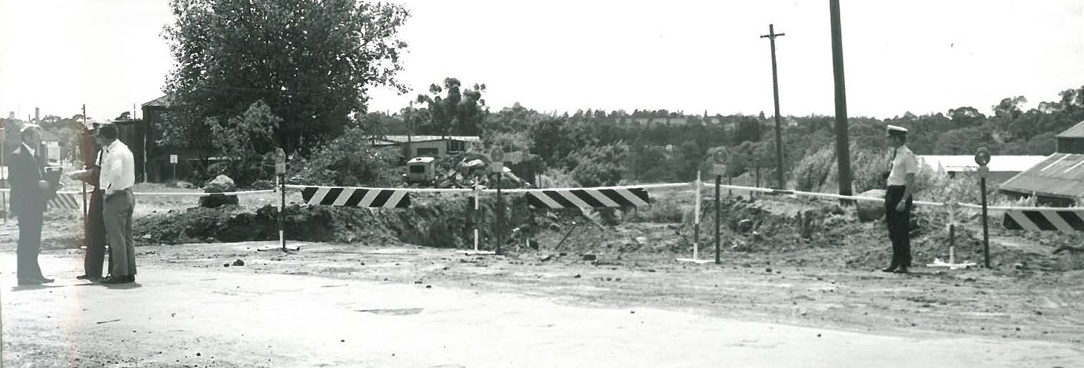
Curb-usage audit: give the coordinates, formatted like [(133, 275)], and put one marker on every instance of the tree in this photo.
[(599, 166), (457, 112), (1009, 109), (247, 141), (967, 116), (749, 130), (311, 61)]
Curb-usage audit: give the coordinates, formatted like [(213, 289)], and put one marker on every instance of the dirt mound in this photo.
[(769, 230), (445, 222)]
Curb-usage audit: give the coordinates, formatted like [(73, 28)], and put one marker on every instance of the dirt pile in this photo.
[(445, 222), (770, 230)]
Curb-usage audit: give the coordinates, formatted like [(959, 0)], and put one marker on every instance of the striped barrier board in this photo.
[(356, 197), (1033, 220), (588, 198), (69, 201)]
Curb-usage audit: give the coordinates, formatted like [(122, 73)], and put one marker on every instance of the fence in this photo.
[(1014, 218)]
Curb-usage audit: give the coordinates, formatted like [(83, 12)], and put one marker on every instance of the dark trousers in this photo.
[(898, 226), (94, 235), (117, 211), (29, 245)]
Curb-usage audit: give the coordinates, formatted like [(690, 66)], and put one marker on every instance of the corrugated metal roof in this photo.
[(1060, 175), (961, 163), (163, 101), (1077, 131), (427, 138)]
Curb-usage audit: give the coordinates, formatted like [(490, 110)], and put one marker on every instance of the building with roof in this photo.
[(1072, 140), (1059, 179), (428, 145), (1002, 168)]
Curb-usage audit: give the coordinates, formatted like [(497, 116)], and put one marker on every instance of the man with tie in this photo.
[(117, 179), (29, 193), (94, 226)]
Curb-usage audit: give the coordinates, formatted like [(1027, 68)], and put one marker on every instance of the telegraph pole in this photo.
[(775, 89), (843, 151)]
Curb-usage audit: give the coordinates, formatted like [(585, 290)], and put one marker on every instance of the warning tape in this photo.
[(191, 194)]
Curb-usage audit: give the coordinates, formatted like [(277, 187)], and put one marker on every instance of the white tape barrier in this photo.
[(689, 186), (193, 194), (406, 190)]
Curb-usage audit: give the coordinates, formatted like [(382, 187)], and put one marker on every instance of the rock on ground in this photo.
[(869, 210)]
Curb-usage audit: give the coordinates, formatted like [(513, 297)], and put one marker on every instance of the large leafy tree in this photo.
[(311, 61), (458, 112)]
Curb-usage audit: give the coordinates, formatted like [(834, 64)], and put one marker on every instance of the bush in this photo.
[(820, 172), (599, 166), (349, 160)]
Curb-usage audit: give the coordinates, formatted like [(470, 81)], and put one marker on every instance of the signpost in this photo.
[(173, 161), (719, 157), (497, 155), (982, 157), (280, 178)]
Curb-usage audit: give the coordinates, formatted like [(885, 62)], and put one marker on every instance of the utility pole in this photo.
[(775, 88), (843, 151)]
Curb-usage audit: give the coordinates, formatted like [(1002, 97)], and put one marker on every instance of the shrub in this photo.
[(595, 166), (349, 160)]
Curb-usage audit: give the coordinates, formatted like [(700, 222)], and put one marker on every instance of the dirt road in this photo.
[(356, 306)]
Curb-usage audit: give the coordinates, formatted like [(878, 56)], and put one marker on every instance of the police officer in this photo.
[(898, 199)]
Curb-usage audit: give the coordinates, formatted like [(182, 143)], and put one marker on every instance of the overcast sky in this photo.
[(919, 55)]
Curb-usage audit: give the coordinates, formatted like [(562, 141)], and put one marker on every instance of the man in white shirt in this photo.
[(117, 179), (898, 199)]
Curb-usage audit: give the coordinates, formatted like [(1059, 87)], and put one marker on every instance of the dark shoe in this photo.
[(28, 282), (901, 270), (112, 280), (889, 269), (131, 278), (84, 277)]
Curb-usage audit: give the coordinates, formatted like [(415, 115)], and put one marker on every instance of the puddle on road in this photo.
[(393, 311)]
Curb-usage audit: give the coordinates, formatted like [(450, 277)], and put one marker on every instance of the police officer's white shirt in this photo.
[(118, 168), (904, 163)]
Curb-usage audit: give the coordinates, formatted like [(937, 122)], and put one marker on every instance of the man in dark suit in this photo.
[(29, 193), (94, 226)]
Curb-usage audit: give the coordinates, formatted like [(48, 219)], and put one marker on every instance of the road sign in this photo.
[(719, 170), (496, 154), (172, 159), (984, 171), (498, 167), (982, 157), (720, 156)]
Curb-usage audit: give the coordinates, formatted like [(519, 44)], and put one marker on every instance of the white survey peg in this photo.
[(280, 161)]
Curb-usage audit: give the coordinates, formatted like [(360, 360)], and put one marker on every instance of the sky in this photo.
[(922, 56)]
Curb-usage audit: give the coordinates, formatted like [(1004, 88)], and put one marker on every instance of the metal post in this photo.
[(3, 175), (718, 181), (696, 220), (475, 216), (952, 243), (775, 88), (843, 151), (282, 210), (500, 214), (985, 226)]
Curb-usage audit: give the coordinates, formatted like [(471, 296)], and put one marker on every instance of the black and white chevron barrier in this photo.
[(588, 198), (356, 197), (1044, 220), (66, 200)]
